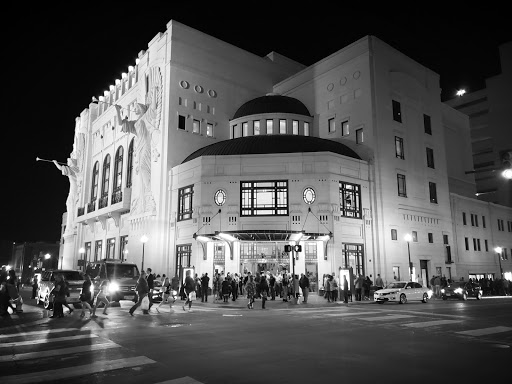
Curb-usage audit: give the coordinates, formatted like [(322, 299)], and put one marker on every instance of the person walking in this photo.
[(285, 282), (250, 288), (304, 285), (345, 289), (166, 294), (264, 290), (190, 286), (379, 284), (328, 288), (86, 295), (151, 286), (234, 287), (59, 295), (272, 285), (101, 297), (225, 290), (359, 287), (437, 286), (142, 291)]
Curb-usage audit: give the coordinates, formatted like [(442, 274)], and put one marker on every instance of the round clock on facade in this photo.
[(220, 197), (309, 195)]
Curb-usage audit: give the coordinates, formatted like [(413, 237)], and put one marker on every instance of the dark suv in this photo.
[(74, 278), (121, 278), (462, 290)]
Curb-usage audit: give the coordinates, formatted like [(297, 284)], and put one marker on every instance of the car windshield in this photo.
[(395, 285), (122, 270), (72, 275)]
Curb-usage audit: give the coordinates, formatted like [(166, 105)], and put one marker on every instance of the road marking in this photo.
[(181, 380), (42, 332), (433, 323), (229, 315), (389, 317), (485, 331), (30, 342), (80, 370), (343, 314), (57, 352)]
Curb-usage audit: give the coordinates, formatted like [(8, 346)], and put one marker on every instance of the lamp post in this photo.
[(498, 251), (47, 257), (126, 254), (81, 251), (144, 240), (408, 238)]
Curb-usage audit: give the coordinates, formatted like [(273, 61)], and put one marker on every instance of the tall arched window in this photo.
[(95, 179), (117, 194), (130, 165), (105, 182)]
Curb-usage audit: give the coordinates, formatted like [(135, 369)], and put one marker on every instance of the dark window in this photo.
[(87, 254), (185, 202), (350, 200), (399, 147), (427, 124), (123, 250), (97, 249), (430, 158), (474, 244), (264, 198), (415, 236), (486, 246), (95, 179), (331, 125), (359, 136), (478, 244), (118, 169), (476, 221), (397, 113), (105, 176), (472, 220), (394, 235), (181, 122), (430, 237), (483, 221), (402, 190), (445, 239), (183, 255), (464, 218), (111, 248), (345, 130), (466, 242), (129, 171)]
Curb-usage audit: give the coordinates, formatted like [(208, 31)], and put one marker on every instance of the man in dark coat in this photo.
[(151, 286), (142, 290), (304, 285), (205, 280)]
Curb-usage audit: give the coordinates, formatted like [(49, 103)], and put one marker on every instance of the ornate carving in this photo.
[(146, 128)]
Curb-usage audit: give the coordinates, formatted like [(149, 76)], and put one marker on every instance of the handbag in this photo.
[(192, 296), (145, 303)]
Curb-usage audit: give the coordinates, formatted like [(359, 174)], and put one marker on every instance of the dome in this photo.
[(263, 144), (272, 103)]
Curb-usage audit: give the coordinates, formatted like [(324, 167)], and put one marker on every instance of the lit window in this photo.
[(359, 136), (309, 195), (399, 147), (350, 200), (270, 127), (415, 236), (306, 129), (282, 127), (256, 127), (331, 125), (345, 128), (402, 190), (196, 126), (209, 129), (295, 127), (95, 178), (245, 129), (185, 202), (264, 198)]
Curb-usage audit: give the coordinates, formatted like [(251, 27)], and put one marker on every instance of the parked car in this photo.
[(121, 277), (462, 290), (403, 291), (74, 278)]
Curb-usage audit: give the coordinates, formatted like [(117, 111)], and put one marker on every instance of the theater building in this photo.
[(220, 158)]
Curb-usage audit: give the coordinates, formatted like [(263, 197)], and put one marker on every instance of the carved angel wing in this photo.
[(154, 99)]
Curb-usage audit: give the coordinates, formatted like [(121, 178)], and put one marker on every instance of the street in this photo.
[(285, 343)]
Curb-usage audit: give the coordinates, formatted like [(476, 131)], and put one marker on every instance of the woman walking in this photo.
[(166, 287), (250, 288), (101, 297), (86, 296), (189, 288), (59, 295), (264, 291)]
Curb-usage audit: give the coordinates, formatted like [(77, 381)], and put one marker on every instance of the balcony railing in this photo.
[(81, 211), (91, 207), (103, 202), (117, 197)]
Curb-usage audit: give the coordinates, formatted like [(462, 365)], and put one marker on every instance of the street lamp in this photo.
[(498, 251), (144, 240), (126, 254), (408, 238), (81, 251)]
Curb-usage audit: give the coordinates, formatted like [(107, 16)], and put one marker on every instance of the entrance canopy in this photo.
[(263, 235)]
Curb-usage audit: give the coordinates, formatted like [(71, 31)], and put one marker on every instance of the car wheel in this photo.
[(444, 297), (425, 298), (464, 296), (403, 299), (46, 303), (38, 298), (478, 296)]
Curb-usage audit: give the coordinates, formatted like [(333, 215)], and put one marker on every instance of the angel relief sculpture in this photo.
[(147, 141)]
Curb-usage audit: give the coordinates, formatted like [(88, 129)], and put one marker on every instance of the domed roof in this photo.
[(263, 144), (272, 103)]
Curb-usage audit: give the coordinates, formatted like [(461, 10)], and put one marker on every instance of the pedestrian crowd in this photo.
[(10, 297)]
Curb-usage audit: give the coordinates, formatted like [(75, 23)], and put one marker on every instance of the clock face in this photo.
[(220, 197), (309, 195)]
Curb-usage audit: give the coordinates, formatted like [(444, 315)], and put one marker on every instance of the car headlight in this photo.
[(113, 287), (458, 290), (442, 290), (92, 289)]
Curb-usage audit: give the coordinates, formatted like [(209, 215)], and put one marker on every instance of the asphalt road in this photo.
[(286, 343)]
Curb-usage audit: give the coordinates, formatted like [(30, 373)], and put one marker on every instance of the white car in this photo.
[(403, 291)]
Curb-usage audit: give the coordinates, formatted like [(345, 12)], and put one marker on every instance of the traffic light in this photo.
[(287, 248), (297, 248)]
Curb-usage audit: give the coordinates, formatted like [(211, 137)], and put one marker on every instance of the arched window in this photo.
[(130, 165), (118, 169), (106, 176), (94, 185)]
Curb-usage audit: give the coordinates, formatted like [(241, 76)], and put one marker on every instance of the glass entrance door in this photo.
[(312, 274)]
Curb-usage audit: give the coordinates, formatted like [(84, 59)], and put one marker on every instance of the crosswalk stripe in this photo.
[(485, 331), (31, 342), (45, 332), (57, 352), (181, 380), (347, 314), (389, 317), (425, 324), (80, 370)]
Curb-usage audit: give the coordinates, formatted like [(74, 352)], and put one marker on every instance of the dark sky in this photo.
[(57, 58)]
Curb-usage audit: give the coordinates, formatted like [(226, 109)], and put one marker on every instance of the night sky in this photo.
[(56, 59)]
